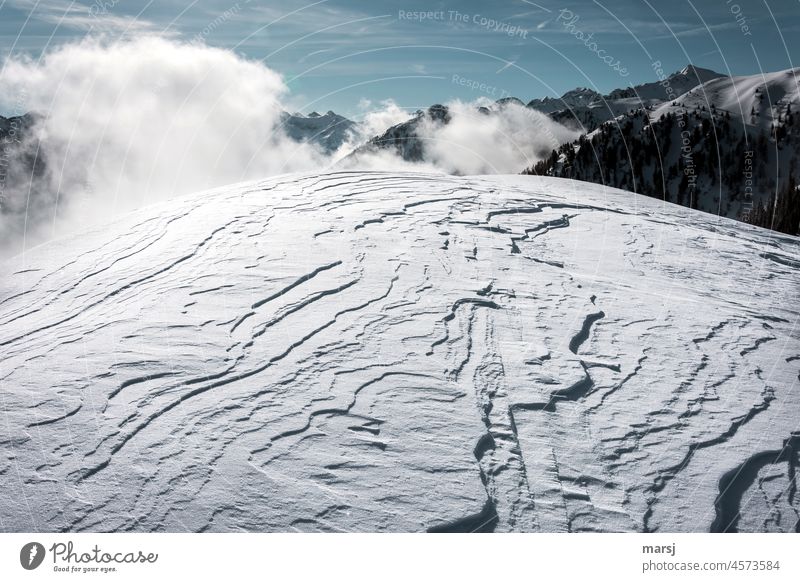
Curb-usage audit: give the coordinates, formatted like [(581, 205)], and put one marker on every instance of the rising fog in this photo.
[(121, 124)]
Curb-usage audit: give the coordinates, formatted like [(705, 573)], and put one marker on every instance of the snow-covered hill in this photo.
[(403, 352)]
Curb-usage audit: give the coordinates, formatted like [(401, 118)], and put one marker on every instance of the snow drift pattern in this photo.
[(403, 352)]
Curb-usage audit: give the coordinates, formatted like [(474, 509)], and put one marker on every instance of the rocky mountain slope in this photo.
[(329, 131), (587, 109), (581, 108), (729, 146), (22, 165), (407, 139), (403, 352)]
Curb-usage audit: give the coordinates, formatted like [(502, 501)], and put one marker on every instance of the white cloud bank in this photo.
[(479, 137), (129, 122), (506, 141)]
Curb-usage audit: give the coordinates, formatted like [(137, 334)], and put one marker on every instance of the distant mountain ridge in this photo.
[(696, 137), (587, 109), (22, 165), (403, 139), (329, 131), (581, 108), (729, 146)]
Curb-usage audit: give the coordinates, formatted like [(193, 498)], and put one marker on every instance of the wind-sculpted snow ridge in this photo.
[(403, 352)]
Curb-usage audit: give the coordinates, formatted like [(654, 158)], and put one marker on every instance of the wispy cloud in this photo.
[(696, 30), (539, 6), (79, 16), (505, 66)]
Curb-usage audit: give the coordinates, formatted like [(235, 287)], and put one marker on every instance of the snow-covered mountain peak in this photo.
[(572, 99), (581, 92), (760, 100), (439, 113), (505, 101), (329, 131), (698, 73)]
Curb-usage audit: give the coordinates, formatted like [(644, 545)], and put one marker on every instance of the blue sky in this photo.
[(337, 54)]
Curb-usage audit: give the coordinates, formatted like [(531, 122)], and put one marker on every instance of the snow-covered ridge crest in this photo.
[(403, 352), (729, 146), (588, 109)]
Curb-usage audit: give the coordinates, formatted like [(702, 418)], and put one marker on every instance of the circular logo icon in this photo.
[(31, 555)]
